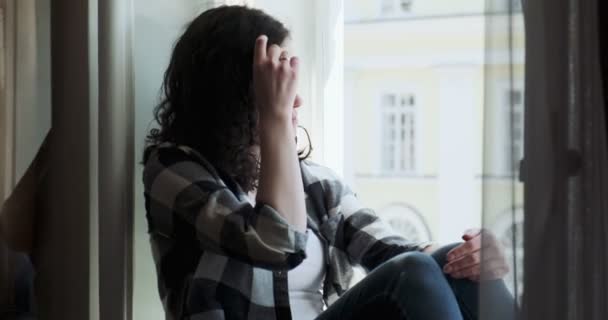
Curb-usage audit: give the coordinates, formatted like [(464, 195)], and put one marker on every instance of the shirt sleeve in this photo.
[(179, 188), (366, 239)]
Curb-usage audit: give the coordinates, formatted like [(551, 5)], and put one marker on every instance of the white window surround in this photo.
[(328, 84)]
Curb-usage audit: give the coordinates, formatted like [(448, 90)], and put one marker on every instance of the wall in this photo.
[(157, 25)]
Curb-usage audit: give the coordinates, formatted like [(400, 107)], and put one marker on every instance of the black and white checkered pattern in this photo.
[(218, 257)]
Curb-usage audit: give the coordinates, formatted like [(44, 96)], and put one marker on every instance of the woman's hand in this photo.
[(465, 261), (274, 81), (275, 78)]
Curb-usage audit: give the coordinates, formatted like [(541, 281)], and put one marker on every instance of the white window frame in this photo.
[(328, 84), (396, 10), (398, 168)]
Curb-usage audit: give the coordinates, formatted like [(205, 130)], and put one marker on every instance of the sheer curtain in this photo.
[(566, 157), (503, 141)]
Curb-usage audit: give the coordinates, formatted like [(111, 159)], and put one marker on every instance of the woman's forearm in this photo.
[(280, 184)]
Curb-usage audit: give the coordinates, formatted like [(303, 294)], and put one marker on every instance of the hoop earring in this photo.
[(306, 151)]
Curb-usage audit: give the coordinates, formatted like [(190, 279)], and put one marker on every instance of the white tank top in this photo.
[(306, 281)]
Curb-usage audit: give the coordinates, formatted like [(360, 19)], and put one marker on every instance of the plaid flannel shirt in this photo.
[(219, 257)]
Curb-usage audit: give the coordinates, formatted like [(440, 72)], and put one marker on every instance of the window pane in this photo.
[(445, 169)]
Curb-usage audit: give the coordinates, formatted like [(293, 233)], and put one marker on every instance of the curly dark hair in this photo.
[(206, 97)]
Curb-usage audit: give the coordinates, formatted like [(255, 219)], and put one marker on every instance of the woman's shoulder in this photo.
[(177, 159)]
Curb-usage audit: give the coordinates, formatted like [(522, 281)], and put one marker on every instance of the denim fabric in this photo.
[(413, 286)]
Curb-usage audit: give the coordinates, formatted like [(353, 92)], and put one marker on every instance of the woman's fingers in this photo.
[(260, 49), (471, 233), (492, 268), (473, 258), (274, 82), (274, 53), (294, 62), (467, 261), (464, 249), (471, 271)]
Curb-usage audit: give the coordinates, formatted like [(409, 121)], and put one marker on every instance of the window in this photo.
[(398, 136), (395, 7), (515, 106)]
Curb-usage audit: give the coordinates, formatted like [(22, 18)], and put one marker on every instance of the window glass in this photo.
[(444, 159)]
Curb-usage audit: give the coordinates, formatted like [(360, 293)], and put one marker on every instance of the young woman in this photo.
[(243, 228)]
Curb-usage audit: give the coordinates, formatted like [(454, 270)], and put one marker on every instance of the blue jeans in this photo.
[(412, 286)]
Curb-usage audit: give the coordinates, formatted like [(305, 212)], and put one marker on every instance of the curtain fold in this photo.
[(116, 158), (566, 163)]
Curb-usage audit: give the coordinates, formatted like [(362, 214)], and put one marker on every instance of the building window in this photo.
[(515, 111), (398, 136), (395, 7)]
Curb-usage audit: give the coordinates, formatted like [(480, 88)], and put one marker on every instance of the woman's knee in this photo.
[(416, 272)]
